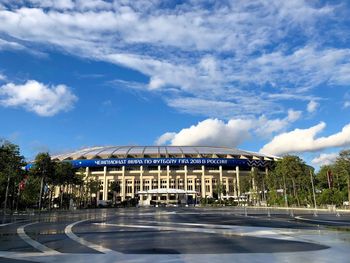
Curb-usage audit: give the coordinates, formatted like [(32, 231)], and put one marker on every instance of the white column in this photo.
[(211, 186), (227, 186), (141, 178), (133, 187), (159, 172), (220, 171), (167, 176), (86, 178), (237, 181), (185, 177), (220, 179), (105, 186), (253, 179), (123, 183), (87, 173), (254, 186), (203, 181), (234, 186), (167, 181)]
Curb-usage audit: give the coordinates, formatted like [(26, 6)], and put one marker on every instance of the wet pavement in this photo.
[(177, 235)]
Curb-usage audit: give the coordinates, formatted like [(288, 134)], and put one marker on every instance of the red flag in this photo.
[(22, 184)]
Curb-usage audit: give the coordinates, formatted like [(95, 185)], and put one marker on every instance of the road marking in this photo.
[(322, 221), (220, 229), (8, 224), (68, 231), (22, 234), (11, 223)]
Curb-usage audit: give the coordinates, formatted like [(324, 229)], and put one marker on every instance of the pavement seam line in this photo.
[(68, 231), (22, 234), (320, 221)]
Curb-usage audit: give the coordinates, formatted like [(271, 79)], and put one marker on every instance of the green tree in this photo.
[(44, 168), (331, 196), (256, 185), (114, 187), (293, 176), (321, 177), (29, 196), (11, 172), (64, 175), (93, 186), (342, 170)]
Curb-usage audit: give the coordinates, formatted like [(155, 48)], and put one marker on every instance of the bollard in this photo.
[(315, 213), (291, 213), (268, 212), (245, 211)]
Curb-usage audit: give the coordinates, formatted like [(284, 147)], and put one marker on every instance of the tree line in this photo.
[(290, 182), (46, 185)]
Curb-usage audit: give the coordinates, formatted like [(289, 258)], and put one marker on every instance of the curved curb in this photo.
[(22, 234), (68, 231)]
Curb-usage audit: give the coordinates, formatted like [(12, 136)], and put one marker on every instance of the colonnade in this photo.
[(201, 179)]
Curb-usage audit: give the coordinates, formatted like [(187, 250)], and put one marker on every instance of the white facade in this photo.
[(199, 178)]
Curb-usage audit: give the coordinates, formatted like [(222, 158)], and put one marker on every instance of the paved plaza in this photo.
[(177, 235)]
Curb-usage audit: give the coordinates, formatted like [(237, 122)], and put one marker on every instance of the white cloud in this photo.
[(303, 140), (37, 97), (217, 53), (165, 138), (12, 45), (230, 133), (266, 127), (4, 44), (2, 77), (312, 106), (211, 132), (242, 106), (325, 159), (347, 104)]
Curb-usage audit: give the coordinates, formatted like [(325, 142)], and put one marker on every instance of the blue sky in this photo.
[(269, 76)]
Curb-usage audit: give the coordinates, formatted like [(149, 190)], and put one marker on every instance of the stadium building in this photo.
[(167, 173)]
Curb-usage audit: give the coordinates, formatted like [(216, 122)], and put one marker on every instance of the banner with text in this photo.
[(167, 161)]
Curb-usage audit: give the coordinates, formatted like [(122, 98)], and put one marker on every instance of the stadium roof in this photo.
[(104, 152)]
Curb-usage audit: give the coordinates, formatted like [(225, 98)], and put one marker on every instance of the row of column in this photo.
[(236, 181)]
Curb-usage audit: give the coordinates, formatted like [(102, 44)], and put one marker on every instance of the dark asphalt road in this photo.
[(168, 231)]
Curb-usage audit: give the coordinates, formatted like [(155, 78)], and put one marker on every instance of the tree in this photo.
[(11, 172), (256, 183), (64, 175), (219, 190), (29, 195), (115, 188), (44, 168), (331, 196), (292, 175), (93, 186), (342, 169)]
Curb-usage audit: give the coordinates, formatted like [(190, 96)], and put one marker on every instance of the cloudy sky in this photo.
[(262, 75)]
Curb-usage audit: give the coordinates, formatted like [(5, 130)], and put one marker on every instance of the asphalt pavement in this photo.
[(177, 234)]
